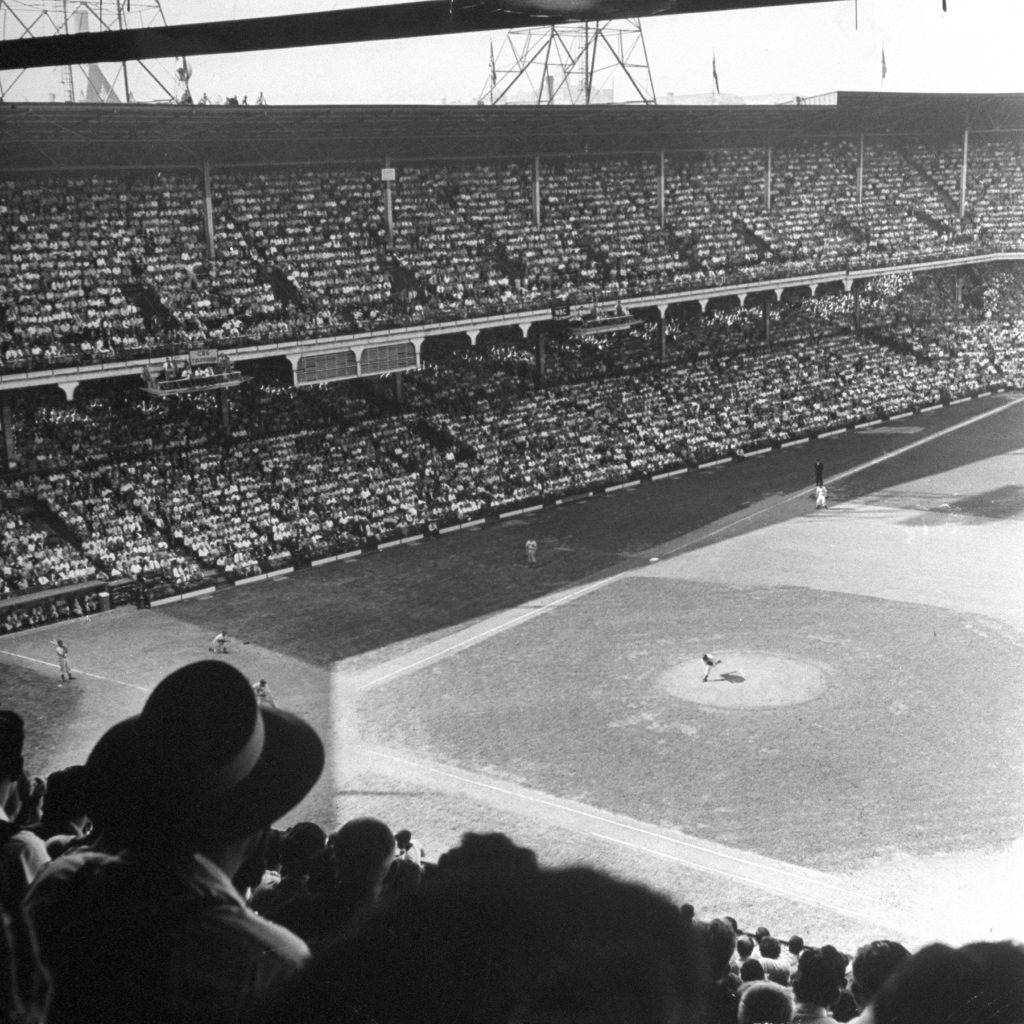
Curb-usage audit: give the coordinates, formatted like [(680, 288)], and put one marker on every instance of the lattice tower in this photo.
[(579, 63)]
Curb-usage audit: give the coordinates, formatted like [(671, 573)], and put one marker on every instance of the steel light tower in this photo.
[(127, 82), (579, 63)]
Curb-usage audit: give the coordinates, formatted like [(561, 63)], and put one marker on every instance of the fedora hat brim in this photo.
[(202, 763)]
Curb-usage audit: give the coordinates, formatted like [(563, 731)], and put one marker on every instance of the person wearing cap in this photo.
[(62, 659), (148, 924), (263, 695), (709, 661)]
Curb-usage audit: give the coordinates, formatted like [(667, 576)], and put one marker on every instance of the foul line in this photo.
[(803, 878), (794, 495), (80, 672), (565, 597), (532, 612)]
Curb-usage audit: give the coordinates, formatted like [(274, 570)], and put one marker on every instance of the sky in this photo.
[(793, 50)]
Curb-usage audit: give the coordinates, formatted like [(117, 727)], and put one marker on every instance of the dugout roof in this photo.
[(57, 136)]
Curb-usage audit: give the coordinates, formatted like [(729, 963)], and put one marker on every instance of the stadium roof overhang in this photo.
[(71, 136), (421, 18)]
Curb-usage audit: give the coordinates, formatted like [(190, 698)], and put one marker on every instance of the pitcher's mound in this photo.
[(746, 679)]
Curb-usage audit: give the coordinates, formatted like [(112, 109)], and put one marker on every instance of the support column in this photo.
[(959, 305), (225, 412), (541, 356), (860, 173), (662, 338), (768, 180), (963, 176), (661, 189), (388, 176), (524, 329), (7, 426), (473, 335), (417, 344), (398, 387), (69, 388), (766, 320), (856, 312), (211, 245), (536, 190)]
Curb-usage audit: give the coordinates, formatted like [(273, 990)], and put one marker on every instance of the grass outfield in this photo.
[(449, 673)]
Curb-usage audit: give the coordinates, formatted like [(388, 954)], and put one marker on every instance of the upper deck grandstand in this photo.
[(153, 229)]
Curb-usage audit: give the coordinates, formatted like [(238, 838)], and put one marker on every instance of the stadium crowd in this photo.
[(118, 267), (120, 485), (149, 884)]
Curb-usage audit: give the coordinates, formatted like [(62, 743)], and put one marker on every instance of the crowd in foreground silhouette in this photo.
[(149, 885)]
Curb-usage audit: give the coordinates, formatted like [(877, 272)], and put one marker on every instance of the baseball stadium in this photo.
[(642, 483)]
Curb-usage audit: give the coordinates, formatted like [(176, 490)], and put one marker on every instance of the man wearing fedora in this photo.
[(148, 924)]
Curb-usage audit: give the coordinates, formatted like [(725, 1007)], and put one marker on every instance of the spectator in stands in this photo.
[(752, 970), (819, 979), (769, 952), (22, 853), (874, 963), (979, 982), (345, 881), (483, 945), (718, 942), (489, 853), (744, 950), (792, 952), (297, 848), (765, 1002), (65, 821), (154, 929)]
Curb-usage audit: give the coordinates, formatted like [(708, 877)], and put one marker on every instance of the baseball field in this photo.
[(853, 768)]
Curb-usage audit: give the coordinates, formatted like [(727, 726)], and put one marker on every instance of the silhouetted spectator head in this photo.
[(364, 850), (298, 845), (980, 983), (408, 847), (795, 945), (490, 852), (770, 948), (405, 876), (764, 1002), (744, 947), (874, 963), (752, 970), (203, 764), (719, 943), (760, 933), (12, 744), (820, 976), (65, 794), (538, 946)]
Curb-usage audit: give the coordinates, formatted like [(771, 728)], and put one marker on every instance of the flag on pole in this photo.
[(494, 70), (714, 75), (885, 69)]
